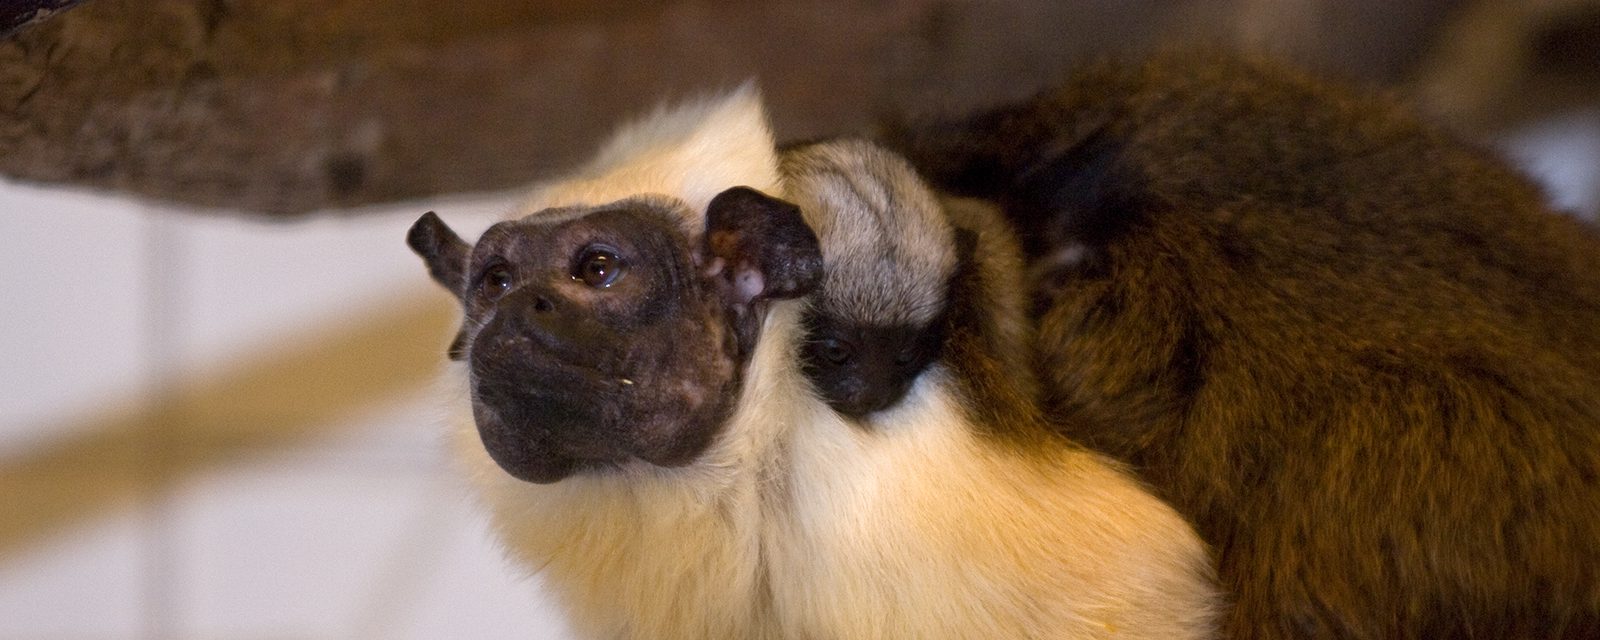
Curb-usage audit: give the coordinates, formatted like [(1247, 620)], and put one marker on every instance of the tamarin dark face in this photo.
[(609, 335), (860, 369), (890, 251)]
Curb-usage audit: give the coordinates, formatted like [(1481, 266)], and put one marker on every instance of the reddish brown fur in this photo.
[(1362, 357)]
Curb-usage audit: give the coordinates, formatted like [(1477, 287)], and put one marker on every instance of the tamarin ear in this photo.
[(444, 252), (763, 244)]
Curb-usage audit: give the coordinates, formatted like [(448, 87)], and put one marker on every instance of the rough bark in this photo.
[(288, 106)]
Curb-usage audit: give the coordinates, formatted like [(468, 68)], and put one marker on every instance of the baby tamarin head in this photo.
[(889, 253), (601, 336)]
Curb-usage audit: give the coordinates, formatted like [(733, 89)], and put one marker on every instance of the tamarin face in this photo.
[(597, 337), (861, 369), (889, 249)]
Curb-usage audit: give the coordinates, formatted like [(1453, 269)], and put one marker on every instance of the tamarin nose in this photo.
[(528, 299)]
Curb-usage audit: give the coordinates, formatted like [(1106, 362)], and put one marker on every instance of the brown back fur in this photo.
[(1363, 358)]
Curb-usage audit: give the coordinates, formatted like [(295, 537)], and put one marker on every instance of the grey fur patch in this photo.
[(887, 247)]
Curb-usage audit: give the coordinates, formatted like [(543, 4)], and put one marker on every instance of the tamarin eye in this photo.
[(834, 351), (906, 356), (599, 268), (496, 281)]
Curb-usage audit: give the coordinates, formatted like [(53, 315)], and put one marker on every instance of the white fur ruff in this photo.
[(796, 525)]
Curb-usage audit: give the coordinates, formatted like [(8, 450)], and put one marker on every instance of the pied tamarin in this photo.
[(633, 407)]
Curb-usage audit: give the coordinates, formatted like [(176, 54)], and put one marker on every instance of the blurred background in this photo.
[(216, 352)]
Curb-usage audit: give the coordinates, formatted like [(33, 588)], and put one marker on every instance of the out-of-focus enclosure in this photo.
[(216, 418)]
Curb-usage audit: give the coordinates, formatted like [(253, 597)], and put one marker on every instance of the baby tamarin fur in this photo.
[(890, 249)]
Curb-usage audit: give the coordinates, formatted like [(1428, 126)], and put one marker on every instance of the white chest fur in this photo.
[(798, 525)]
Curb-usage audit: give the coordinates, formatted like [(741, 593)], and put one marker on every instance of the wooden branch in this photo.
[(17, 14), (288, 106)]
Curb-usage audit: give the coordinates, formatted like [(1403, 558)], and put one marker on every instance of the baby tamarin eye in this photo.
[(599, 267), (906, 356), (834, 351)]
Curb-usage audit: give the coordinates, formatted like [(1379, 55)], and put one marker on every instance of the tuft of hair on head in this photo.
[(888, 247)]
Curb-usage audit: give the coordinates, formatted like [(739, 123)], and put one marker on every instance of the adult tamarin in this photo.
[(1361, 356), (637, 419)]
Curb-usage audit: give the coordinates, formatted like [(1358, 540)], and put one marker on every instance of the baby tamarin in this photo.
[(890, 249), (1363, 357), (635, 413)]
